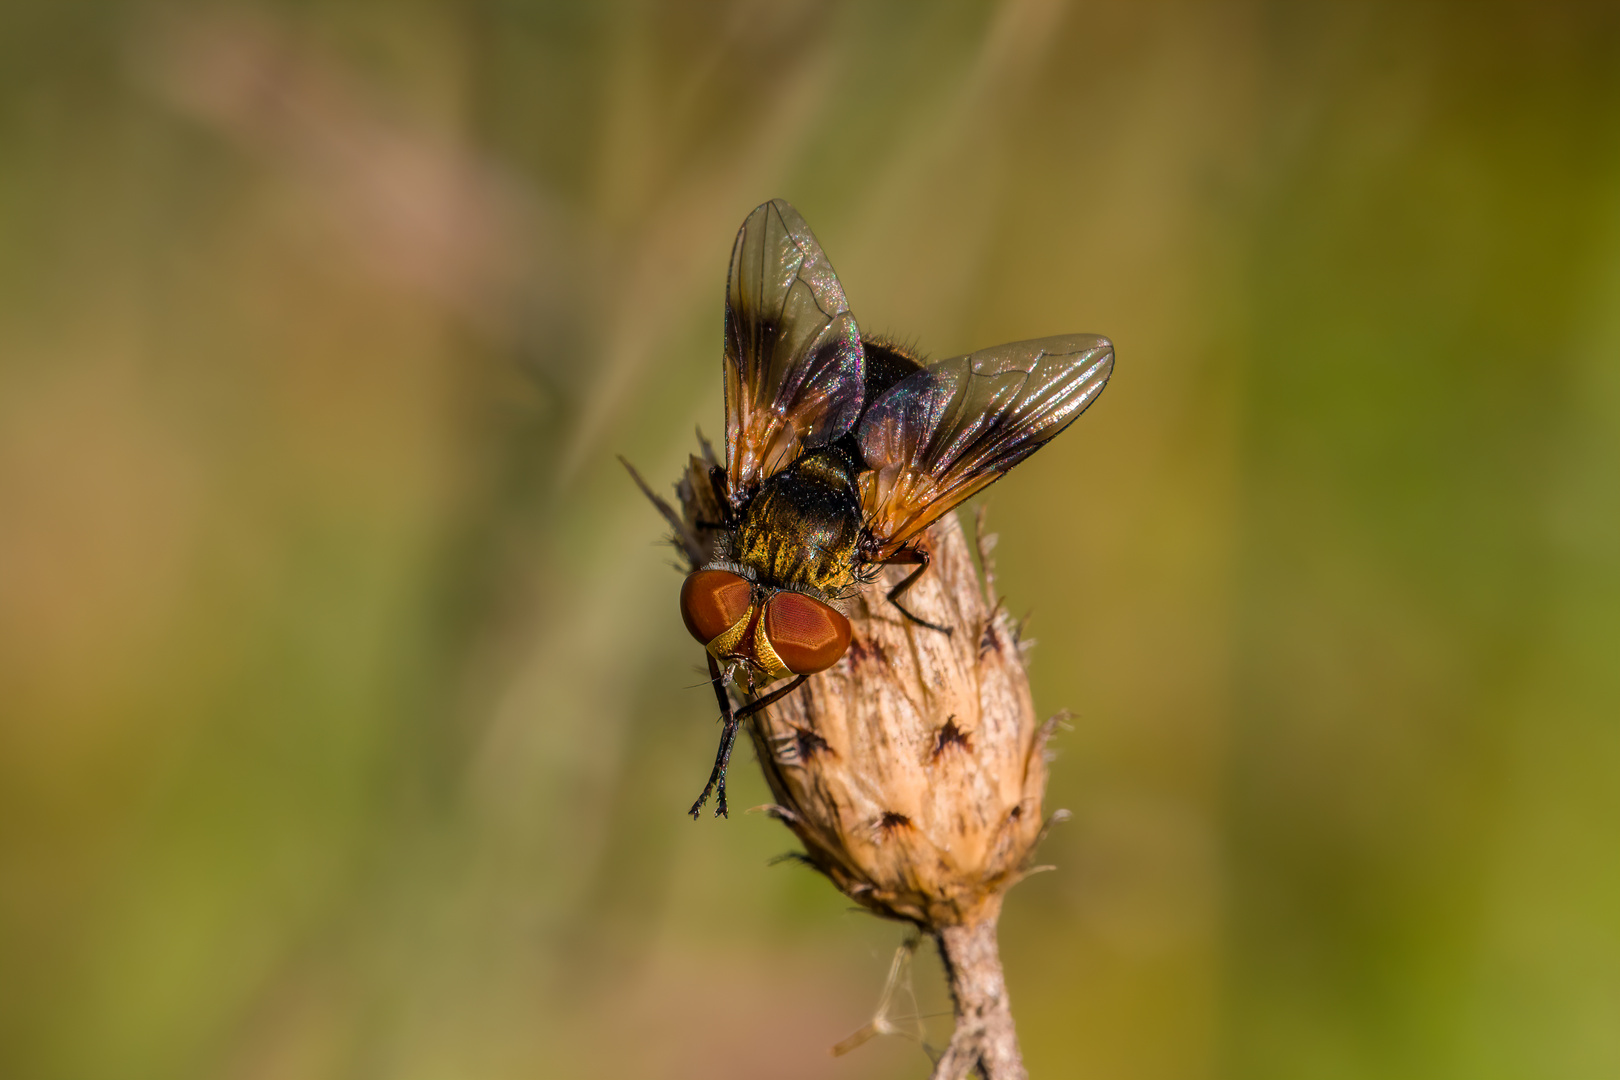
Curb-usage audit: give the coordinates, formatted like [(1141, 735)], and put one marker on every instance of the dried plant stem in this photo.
[(984, 1035)]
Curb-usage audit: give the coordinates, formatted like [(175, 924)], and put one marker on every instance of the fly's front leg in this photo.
[(771, 698), (728, 736), (722, 757), (906, 557), (725, 746)]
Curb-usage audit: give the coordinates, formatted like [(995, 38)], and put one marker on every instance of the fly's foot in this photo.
[(697, 807), (719, 804)]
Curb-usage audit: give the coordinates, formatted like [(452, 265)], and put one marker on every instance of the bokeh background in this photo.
[(346, 719)]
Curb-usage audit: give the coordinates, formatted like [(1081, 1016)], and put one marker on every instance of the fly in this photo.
[(840, 452)]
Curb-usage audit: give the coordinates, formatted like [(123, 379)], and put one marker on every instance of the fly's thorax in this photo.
[(803, 528), (769, 604)]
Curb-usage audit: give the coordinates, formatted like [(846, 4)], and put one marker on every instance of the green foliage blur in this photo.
[(346, 718)]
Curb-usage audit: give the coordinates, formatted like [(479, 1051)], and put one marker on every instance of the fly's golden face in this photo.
[(761, 634)]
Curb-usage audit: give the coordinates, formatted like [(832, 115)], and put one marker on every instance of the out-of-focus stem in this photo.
[(984, 1035)]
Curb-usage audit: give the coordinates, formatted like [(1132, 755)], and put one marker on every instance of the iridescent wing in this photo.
[(793, 363), (949, 430)]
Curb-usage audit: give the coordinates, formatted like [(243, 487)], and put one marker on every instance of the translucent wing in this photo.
[(793, 360), (949, 430)]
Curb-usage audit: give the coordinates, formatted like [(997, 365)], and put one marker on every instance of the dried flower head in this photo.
[(913, 769)]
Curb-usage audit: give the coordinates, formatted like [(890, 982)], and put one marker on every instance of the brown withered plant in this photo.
[(913, 770)]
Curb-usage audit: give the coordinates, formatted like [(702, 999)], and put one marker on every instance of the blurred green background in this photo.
[(346, 718)]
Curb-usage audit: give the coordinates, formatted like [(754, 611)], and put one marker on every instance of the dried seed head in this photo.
[(913, 769)]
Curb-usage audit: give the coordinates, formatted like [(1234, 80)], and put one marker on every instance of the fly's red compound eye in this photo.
[(808, 635), (712, 601)]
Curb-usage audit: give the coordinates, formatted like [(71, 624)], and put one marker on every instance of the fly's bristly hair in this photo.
[(910, 348), (865, 575), (721, 561)]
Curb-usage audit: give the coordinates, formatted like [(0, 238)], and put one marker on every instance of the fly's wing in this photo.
[(949, 430), (794, 368)]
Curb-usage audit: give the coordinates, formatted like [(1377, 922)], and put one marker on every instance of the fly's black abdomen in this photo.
[(885, 366)]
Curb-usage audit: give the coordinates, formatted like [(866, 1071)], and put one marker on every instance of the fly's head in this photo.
[(757, 633)]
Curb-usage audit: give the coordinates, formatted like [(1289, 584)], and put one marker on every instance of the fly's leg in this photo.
[(748, 710), (728, 737), (906, 557)]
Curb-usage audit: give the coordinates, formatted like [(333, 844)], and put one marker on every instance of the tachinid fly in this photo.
[(840, 452)]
